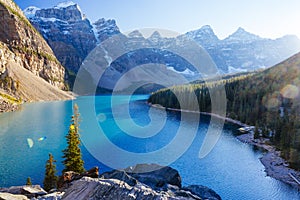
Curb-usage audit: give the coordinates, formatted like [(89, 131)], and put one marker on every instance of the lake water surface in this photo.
[(232, 168)]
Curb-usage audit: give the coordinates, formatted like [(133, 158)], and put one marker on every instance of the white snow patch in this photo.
[(66, 32), (30, 11), (65, 4), (185, 72), (95, 30), (50, 19), (107, 57), (232, 70), (45, 30)]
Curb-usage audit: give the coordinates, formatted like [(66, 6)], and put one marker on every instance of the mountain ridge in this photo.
[(27, 61), (239, 52)]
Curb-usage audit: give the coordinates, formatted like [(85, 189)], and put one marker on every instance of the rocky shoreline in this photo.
[(7, 107), (275, 166), (143, 181)]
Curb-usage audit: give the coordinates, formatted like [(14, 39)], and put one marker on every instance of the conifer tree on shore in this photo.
[(72, 154), (28, 181), (50, 180)]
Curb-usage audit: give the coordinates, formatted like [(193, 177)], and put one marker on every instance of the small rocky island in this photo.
[(143, 181)]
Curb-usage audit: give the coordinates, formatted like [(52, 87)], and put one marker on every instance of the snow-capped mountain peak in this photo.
[(66, 11), (155, 34), (206, 28), (30, 11), (65, 4), (241, 35), (204, 35), (103, 29), (135, 34)]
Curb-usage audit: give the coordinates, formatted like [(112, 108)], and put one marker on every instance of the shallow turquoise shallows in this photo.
[(232, 168)]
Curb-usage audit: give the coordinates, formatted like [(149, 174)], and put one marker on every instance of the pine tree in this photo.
[(72, 154), (28, 181), (256, 131), (50, 179)]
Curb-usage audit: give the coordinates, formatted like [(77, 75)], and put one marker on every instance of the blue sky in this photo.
[(267, 18)]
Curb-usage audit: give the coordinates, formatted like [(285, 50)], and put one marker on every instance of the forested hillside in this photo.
[(268, 99)]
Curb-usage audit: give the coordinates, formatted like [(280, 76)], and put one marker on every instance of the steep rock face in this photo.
[(105, 28), (17, 82), (28, 67), (27, 44), (66, 30), (244, 51)]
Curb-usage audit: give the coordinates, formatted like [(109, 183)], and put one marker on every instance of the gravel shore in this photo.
[(275, 166), (7, 107)]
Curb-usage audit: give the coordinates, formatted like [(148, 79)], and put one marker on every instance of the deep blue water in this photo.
[(232, 168)]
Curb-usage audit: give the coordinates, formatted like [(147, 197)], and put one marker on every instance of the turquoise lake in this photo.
[(232, 168)]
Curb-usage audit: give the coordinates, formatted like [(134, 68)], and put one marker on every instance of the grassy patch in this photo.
[(41, 53), (11, 99)]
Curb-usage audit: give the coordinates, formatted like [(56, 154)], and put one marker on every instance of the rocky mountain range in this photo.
[(28, 68), (66, 30), (72, 37), (65, 26), (69, 33), (243, 51)]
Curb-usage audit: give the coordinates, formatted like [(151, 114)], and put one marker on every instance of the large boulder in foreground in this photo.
[(142, 181), (88, 188), (150, 174), (29, 191), (8, 196)]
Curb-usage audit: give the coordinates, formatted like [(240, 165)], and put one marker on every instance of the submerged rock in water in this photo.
[(203, 192)]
